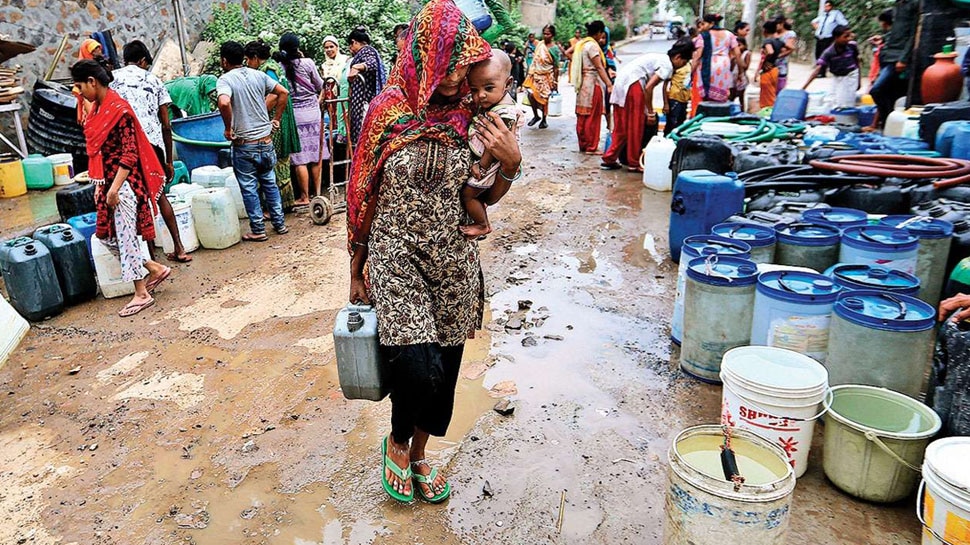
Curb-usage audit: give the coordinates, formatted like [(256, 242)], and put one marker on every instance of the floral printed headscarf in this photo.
[(440, 40)]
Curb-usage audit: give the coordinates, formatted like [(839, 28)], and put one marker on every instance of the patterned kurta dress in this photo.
[(426, 280)]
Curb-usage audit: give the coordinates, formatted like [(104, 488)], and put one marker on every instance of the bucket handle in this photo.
[(870, 435), (919, 514), (826, 405), (784, 286)]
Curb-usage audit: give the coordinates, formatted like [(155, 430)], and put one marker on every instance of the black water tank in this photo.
[(74, 200), (52, 123)]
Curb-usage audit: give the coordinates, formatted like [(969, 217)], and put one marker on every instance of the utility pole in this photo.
[(180, 30)]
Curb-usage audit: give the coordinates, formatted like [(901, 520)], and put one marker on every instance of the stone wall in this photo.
[(537, 13), (43, 23)]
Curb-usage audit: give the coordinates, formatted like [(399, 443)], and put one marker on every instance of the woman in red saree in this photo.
[(128, 179), (588, 75)]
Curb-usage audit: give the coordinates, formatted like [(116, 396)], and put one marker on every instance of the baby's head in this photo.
[(490, 79)]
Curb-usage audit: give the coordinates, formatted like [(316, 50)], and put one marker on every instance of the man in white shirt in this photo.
[(824, 24), (150, 100)]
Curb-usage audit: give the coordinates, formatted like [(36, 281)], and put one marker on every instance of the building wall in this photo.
[(43, 23)]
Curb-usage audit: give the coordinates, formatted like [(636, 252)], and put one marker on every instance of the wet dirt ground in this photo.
[(216, 417)]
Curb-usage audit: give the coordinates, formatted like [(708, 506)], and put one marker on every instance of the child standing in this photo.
[(677, 98), (770, 50), (842, 59), (491, 83)]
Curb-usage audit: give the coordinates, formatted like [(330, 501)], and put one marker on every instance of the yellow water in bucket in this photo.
[(704, 508), (12, 181)]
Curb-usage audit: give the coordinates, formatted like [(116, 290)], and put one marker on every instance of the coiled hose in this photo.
[(762, 131), (947, 172)]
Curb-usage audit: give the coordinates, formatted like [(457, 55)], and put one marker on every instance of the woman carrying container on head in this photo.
[(128, 179)]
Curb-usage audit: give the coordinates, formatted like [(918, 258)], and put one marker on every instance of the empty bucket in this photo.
[(944, 506), (775, 393), (63, 165), (874, 442), (792, 310), (704, 508)]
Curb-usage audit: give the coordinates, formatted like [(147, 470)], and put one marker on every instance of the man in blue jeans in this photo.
[(243, 94)]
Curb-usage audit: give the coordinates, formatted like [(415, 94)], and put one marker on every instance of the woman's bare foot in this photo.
[(399, 454), (475, 230)]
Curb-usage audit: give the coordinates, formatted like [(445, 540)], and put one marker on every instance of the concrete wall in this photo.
[(44, 22), (537, 13)]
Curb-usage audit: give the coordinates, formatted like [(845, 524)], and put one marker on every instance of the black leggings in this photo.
[(422, 384)]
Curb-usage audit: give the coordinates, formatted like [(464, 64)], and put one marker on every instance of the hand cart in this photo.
[(323, 208)]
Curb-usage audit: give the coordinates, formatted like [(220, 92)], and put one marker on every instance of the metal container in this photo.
[(360, 368)]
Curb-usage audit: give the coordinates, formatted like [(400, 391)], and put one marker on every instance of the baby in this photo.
[(490, 81)]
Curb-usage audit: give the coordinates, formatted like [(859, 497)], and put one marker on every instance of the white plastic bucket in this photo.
[(776, 394), (555, 105), (63, 165), (186, 227), (944, 506)]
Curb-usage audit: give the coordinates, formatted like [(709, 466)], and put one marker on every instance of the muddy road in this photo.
[(215, 418)]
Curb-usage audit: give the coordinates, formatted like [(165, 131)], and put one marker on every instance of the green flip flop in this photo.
[(420, 479), (403, 474)]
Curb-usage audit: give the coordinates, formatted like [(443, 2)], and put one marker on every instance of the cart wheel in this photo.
[(320, 210)]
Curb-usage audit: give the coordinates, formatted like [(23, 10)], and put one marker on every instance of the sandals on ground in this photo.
[(403, 474), (428, 480), (134, 308), (255, 237), (152, 284)]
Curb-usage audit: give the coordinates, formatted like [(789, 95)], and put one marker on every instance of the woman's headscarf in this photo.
[(440, 40), (88, 47)]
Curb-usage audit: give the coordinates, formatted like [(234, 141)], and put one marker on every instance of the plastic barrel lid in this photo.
[(798, 287), (921, 226), (755, 236), (808, 234), (860, 276), (841, 217), (879, 237), (885, 311), (948, 459), (723, 270), (694, 246)]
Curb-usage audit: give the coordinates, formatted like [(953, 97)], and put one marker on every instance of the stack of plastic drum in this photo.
[(935, 239), (811, 245), (694, 247), (718, 305), (792, 310), (761, 238), (884, 339), (776, 394), (842, 218), (868, 277), (881, 246)]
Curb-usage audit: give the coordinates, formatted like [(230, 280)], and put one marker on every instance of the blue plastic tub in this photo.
[(792, 309), (702, 199), (198, 139), (868, 277), (881, 246)]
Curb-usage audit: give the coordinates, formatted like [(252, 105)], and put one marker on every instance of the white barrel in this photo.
[(775, 393), (108, 269), (186, 226), (703, 508), (881, 246), (944, 506), (216, 221), (233, 186), (13, 327), (63, 165), (792, 310)]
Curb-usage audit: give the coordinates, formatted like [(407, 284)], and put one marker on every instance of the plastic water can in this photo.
[(38, 172), (935, 239), (86, 225), (30, 278), (12, 330), (555, 105), (947, 134), (718, 304), (72, 261), (842, 218), (760, 238), (186, 226), (776, 394), (868, 277), (697, 246), (696, 479), (790, 104), (701, 200), (233, 185), (63, 165), (655, 162), (216, 221), (961, 148), (807, 245), (881, 339), (12, 181), (792, 310), (185, 191), (880, 246), (943, 504), (108, 268), (360, 367), (874, 442), (209, 176)]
